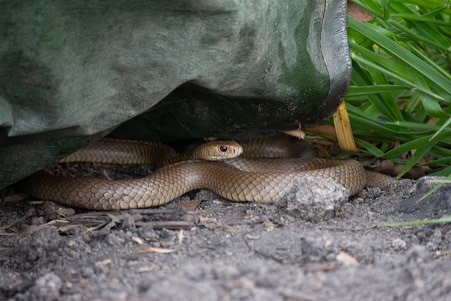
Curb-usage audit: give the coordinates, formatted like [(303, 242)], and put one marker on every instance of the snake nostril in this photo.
[(223, 148)]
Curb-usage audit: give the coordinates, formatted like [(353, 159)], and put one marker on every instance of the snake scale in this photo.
[(259, 180)]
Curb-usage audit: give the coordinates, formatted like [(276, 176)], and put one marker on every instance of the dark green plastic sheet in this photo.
[(73, 71)]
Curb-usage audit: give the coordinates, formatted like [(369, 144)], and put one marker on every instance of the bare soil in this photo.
[(201, 247)]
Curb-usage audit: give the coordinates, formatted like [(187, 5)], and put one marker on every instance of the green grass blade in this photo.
[(369, 147), (401, 79), (418, 37), (431, 106), (429, 61), (444, 126), (417, 144), (437, 187), (419, 153), (446, 219), (442, 173), (365, 90), (402, 54), (420, 18)]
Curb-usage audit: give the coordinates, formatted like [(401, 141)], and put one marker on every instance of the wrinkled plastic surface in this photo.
[(73, 71)]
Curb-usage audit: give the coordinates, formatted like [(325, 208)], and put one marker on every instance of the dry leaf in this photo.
[(296, 133), (359, 13), (149, 249), (138, 240), (145, 269), (346, 259), (191, 205)]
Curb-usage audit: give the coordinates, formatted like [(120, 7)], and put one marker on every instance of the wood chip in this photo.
[(190, 206), (149, 249), (138, 240), (150, 268), (346, 259)]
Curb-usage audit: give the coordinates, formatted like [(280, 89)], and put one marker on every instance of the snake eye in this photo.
[(223, 148)]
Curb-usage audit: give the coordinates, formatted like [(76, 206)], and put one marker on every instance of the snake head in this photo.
[(218, 150)]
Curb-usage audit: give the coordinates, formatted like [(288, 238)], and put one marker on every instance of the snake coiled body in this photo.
[(235, 179)]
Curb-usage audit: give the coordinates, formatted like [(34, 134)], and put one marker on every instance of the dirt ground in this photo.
[(201, 247)]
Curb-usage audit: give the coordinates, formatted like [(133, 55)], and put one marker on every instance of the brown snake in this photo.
[(262, 180)]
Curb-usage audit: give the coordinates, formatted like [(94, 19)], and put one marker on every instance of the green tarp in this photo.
[(73, 71)]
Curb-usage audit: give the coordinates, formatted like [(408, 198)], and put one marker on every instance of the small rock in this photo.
[(46, 287), (435, 241), (113, 239), (418, 254), (314, 199), (87, 272), (427, 183), (398, 244)]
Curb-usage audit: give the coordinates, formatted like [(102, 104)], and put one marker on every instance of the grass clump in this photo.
[(400, 93)]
